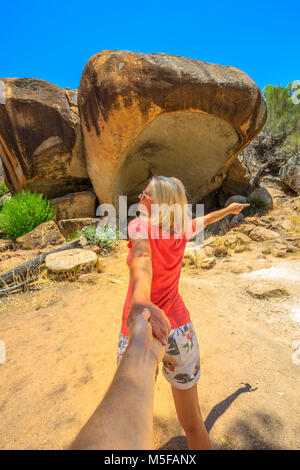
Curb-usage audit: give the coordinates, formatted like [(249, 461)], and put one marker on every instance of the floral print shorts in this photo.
[(181, 362)]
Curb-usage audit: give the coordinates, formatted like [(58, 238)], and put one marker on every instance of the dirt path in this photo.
[(61, 345)]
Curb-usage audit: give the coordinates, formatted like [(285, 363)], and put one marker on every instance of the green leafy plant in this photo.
[(3, 189), (102, 236), (23, 212)]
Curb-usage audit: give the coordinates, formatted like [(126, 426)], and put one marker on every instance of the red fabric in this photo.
[(167, 257)]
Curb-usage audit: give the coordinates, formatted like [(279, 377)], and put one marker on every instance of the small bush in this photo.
[(3, 189), (23, 212), (101, 236)]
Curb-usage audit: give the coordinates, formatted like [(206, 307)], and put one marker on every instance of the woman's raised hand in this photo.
[(236, 208)]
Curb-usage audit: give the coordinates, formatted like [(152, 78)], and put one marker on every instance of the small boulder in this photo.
[(259, 234), (240, 248), (70, 259), (88, 278), (290, 173), (240, 269), (267, 290), (279, 253), (261, 198), (208, 263), (234, 239), (45, 234), (220, 251)]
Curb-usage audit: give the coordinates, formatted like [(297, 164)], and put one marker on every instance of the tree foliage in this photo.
[(283, 115)]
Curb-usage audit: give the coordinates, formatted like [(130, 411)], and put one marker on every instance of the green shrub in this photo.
[(101, 236), (3, 189), (23, 212)]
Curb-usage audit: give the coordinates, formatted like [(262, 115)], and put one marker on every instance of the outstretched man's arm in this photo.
[(124, 418)]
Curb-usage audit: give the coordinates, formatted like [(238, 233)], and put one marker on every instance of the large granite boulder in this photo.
[(40, 138), (151, 114)]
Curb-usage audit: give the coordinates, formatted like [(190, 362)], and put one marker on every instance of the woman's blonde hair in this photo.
[(169, 193)]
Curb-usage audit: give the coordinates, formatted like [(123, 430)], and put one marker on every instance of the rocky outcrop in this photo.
[(290, 173), (43, 235), (237, 181), (267, 289), (40, 138), (75, 205), (71, 226), (263, 159), (151, 114)]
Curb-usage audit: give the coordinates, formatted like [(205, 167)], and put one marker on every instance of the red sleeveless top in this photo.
[(167, 257)]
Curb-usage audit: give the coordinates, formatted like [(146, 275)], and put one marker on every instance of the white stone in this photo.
[(70, 259)]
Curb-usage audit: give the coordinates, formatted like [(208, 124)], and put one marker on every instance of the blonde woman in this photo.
[(155, 255)]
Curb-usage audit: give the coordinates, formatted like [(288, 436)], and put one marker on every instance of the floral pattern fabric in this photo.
[(181, 361)]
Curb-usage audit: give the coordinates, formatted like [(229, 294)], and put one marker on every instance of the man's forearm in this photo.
[(124, 419)]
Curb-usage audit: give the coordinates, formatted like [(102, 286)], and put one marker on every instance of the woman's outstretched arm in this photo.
[(200, 223)]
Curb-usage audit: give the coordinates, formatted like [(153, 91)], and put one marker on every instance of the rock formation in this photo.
[(151, 114), (74, 205), (290, 173), (40, 138)]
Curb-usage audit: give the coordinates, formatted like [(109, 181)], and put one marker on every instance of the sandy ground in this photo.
[(61, 342)]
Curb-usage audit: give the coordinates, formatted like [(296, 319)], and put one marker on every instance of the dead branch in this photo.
[(31, 265), (17, 286)]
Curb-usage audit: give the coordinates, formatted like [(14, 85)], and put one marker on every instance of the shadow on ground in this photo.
[(259, 431)]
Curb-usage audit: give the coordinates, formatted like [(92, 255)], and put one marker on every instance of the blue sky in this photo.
[(54, 41)]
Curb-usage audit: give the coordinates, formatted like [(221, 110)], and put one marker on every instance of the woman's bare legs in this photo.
[(190, 418)]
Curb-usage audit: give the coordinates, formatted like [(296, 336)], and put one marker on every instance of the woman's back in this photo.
[(167, 254)]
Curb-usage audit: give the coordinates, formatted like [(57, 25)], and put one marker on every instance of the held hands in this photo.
[(236, 208), (140, 333), (158, 320)]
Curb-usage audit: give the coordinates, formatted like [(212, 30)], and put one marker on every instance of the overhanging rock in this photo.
[(152, 114)]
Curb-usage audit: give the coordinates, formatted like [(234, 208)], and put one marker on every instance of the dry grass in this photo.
[(42, 299)]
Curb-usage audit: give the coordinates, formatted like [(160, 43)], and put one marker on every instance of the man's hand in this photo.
[(236, 208), (140, 333), (159, 321)]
